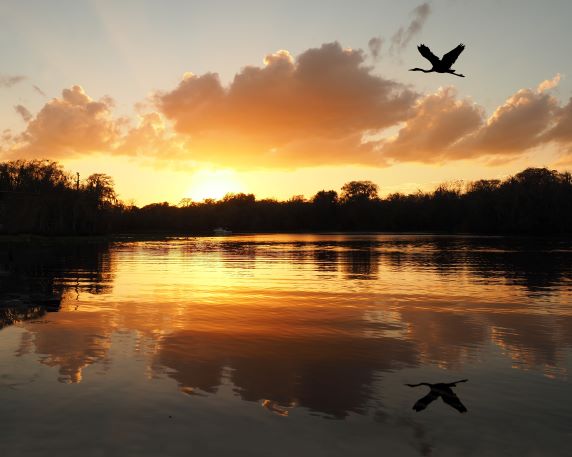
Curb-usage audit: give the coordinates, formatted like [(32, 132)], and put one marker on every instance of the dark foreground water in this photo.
[(283, 345)]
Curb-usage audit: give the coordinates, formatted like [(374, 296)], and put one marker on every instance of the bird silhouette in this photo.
[(442, 65), (442, 390)]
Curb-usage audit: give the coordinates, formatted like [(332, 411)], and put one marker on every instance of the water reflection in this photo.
[(330, 375), (443, 390), (361, 262), (296, 325), (276, 408), (71, 345), (445, 332), (34, 279), (49, 268), (12, 313)]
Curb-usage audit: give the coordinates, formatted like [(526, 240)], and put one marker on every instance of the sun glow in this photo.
[(213, 184)]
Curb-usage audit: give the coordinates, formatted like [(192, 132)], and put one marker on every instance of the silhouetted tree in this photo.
[(325, 210), (359, 191), (101, 188), (325, 198)]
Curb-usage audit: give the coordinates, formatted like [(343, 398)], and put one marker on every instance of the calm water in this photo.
[(288, 345)]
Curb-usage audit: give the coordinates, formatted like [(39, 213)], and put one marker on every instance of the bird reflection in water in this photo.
[(192, 391), (442, 390), (276, 408)]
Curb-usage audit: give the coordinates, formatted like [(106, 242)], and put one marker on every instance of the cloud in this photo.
[(24, 112), (9, 81), (549, 83), (564, 161), (440, 120), (323, 107), (71, 125), (561, 131), (518, 124), (375, 44), (561, 134), (312, 110), (39, 91), (445, 128), (404, 35), (152, 138)]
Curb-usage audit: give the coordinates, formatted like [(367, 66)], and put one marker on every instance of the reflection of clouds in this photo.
[(530, 341), (331, 375), (452, 339), (299, 332), (196, 362), (72, 344), (564, 324), (67, 341), (183, 317), (444, 338), (385, 323)]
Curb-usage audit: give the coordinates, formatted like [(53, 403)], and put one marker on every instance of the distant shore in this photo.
[(40, 198), (148, 236)]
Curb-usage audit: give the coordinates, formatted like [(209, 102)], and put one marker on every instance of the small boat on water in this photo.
[(221, 231)]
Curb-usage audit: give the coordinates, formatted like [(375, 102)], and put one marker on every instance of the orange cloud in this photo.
[(446, 128), (310, 110), (440, 120), (70, 125), (515, 126), (549, 83), (152, 138), (561, 132), (324, 107)]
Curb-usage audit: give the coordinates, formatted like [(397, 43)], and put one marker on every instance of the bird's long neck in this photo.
[(421, 69)]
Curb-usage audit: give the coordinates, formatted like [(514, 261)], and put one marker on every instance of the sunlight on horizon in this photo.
[(213, 184)]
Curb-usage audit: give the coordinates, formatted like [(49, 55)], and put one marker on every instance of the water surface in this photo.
[(288, 345)]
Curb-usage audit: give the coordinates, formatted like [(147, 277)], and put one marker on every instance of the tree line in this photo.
[(39, 196)]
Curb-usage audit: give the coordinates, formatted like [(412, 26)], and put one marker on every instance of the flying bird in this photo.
[(442, 65), (442, 390)]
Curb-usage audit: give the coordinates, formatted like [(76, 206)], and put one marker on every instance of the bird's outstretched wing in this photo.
[(426, 52), (452, 400), (425, 401), (450, 58)]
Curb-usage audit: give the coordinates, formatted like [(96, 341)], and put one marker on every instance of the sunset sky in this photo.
[(181, 99)]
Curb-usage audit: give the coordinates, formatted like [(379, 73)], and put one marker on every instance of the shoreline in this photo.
[(32, 238)]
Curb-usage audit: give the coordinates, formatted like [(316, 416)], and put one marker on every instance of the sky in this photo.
[(189, 99)]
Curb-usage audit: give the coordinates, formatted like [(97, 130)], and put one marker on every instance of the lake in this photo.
[(282, 345)]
